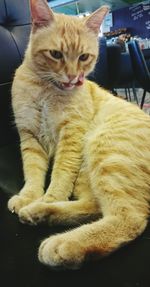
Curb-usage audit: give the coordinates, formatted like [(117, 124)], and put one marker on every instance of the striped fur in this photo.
[(99, 144)]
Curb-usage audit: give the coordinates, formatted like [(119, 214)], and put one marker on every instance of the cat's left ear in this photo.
[(41, 14), (95, 20)]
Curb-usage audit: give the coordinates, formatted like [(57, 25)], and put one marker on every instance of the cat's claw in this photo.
[(34, 213), (25, 217), (16, 202)]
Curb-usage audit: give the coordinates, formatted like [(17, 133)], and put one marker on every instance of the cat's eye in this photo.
[(56, 54), (84, 57)]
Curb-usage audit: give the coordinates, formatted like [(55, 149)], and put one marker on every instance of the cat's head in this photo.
[(64, 48)]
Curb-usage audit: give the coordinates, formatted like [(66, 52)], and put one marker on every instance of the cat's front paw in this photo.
[(59, 252), (34, 213), (16, 202)]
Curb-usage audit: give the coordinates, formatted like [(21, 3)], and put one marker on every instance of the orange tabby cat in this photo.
[(100, 144)]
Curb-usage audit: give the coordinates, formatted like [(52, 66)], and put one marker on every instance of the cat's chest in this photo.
[(42, 119), (49, 120)]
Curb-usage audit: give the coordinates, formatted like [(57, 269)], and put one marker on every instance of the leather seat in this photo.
[(14, 32), (19, 243)]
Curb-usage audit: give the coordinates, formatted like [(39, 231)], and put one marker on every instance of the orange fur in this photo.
[(100, 144)]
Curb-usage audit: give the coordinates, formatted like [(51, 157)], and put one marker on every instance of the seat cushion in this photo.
[(11, 174)]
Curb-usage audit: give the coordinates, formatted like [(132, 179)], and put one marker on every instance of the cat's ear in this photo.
[(41, 14), (95, 20)]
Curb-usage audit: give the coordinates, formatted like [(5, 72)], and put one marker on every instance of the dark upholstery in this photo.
[(14, 32), (109, 72), (125, 72), (113, 69), (114, 59), (140, 67), (100, 73), (19, 266)]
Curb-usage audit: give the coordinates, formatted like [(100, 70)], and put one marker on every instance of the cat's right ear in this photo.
[(94, 21), (41, 14)]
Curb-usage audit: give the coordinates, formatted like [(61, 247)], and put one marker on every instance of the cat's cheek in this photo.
[(49, 61), (50, 64)]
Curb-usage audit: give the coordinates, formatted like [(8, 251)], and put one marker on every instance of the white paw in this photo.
[(17, 202), (60, 252), (34, 213)]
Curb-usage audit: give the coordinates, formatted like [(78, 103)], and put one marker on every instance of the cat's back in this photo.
[(112, 109), (119, 124)]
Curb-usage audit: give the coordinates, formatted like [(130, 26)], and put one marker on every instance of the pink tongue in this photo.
[(80, 80)]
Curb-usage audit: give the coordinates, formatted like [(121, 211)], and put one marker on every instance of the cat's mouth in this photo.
[(68, 86)]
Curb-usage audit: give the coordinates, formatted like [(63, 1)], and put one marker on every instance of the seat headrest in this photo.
[(15, 24), (14, 12)]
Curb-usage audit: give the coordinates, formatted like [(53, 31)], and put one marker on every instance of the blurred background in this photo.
[(125, 17)]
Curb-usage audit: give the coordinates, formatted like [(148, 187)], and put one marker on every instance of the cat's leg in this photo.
[(124, 206), (35, 163), (95, 240), (60, 213), (83, 208), (67, 161)]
